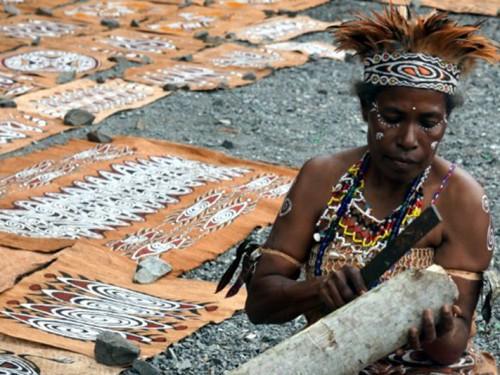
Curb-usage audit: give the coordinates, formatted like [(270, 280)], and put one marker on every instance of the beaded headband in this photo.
[(416, 70)]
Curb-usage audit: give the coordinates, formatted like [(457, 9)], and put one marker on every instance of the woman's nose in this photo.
[(407, 136)]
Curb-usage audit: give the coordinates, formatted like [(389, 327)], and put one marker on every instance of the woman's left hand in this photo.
[(431, 331)]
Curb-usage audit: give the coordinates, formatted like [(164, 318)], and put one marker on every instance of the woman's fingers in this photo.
[(355, 279), (334, 292), (325, 296), (428, 327), (413, 339), (447, 322), (344, 289)]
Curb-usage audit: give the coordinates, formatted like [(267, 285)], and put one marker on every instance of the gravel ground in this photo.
[(286, 119)]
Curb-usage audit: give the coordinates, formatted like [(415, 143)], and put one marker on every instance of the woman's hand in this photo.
[(341, 287), (431, 331)]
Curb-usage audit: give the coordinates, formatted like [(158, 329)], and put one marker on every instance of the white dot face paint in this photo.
[(485, 203), (490, 239), (379, 136), (380, 119)]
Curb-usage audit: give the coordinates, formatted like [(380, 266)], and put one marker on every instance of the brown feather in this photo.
[(434, 34)]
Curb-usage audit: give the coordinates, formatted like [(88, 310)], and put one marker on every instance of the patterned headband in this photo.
[(412, 70)]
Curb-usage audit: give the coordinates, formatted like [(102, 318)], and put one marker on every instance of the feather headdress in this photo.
[(434, 34)]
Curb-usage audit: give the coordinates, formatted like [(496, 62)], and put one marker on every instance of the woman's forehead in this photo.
[(405, 98)]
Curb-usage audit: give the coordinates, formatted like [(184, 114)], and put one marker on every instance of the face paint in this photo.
[(380, 119), (485, 203), (379, 136), (286, 208)]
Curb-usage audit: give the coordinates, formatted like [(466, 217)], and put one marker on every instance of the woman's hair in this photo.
[(367, 94), (434, 34)]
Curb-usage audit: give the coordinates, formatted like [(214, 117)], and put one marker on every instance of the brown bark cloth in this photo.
[(485, 7), (89, 290), (274, 5), (13, 84), (18, 128), (34, 359), (140, 197), (320, 49), (102, 100)]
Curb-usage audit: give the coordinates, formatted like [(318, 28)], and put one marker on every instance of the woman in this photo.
[(411, 73)]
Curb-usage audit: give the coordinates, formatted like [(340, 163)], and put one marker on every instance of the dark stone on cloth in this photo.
[(113, 350), (249, 76), (7, 103), (314, 57), (100, 79), (11, 9), (135, 23), (36, 41), (187, 58), (185, 4), (110, 23), (208, 2), (78, 117), (66, 77), (44, 11), (269, 13), (151, 269), (145, 368), (227, 144), (201, 35), (98, 137), (146, 59)]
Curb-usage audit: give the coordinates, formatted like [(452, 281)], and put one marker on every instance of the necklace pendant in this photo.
[(317, 237)]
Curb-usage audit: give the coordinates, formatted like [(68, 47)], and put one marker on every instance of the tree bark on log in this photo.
[(361, 332)]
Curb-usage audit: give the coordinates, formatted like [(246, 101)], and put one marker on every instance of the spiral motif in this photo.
[(52, 61), (14, 365)]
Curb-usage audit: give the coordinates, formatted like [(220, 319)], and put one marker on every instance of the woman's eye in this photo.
[(392, 119), (429, 124)]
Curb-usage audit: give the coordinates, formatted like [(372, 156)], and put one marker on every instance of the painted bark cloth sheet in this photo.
[(16, 263), (139, 198), (14, 84), (320, 49), (19, 129), (87, 291), (100, 99), (274, 5), (138, 46), (486, 7), (20, 357)]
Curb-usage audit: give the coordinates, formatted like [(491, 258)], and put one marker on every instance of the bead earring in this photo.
[(434, 145), (413, 108), (379, 136)]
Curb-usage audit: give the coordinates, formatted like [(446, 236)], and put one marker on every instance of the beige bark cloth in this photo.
[(13, 84), (102, 100), (486, 7), (25, 28), (278, 29), (29, 6), (236, 56), (123, 11), (79, 190), (215, 20), (320, 49), (8, 44), (272, 5), (88, 291), (194, 76), (53, 59), (17, 263), (19, 129), (34, 359), (138, 46)]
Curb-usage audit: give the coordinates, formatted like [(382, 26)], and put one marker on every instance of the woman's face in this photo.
[(405, 126)]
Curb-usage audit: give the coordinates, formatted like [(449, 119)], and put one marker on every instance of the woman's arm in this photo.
[(274, 295), (466, 226)]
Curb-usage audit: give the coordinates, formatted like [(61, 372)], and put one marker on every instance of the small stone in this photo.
[(223, 85), (98, 137), (249, 76), (185, 3), (208, 2), (218, 102), (44, 11), (100, 79), (135, 23), (120, 60), (214, 40), (269, 13), (175, 87), (322, 91), (151, 269), (110, 23), (146, 59), (224, 122), (11, 9), (231, 36), (187, 58), (113, 350), (227, 144), (66, 77), (201, 35), (78, 117), (314, 57), (145, 368), (7, 103), (36, 41)]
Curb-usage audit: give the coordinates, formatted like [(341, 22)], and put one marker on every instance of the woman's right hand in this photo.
[(341, 287)]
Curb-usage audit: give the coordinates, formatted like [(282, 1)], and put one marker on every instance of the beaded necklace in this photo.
[(343, 197)]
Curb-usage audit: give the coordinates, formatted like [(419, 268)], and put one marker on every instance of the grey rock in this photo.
[(146, 60), (187, 58), (201, 35), (78, 117), (100, 79), (227, 144), (11, 9), (314, 57), (269, 13), (110, 23), (7, 103), (208, 2), (120, 60), (135, 23), (249, 76), (175, 87), (145, 368), (113, 350), (36, 41), (98, 137), (151, 269), (185, 3), (231, 36), (66, 77), (44, 11)]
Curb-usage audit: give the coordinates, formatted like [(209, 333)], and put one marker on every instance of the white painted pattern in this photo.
[(276, 29), (146, 44), (50, 61), (113, 199), (108, 9), (185, 74), (247, 59), (38, 28)]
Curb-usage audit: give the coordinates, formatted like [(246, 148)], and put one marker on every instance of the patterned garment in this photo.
[(358, 238)]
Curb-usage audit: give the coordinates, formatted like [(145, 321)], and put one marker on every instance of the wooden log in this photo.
[(361, 332)]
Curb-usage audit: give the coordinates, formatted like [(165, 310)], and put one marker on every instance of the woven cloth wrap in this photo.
[(416, 70)]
